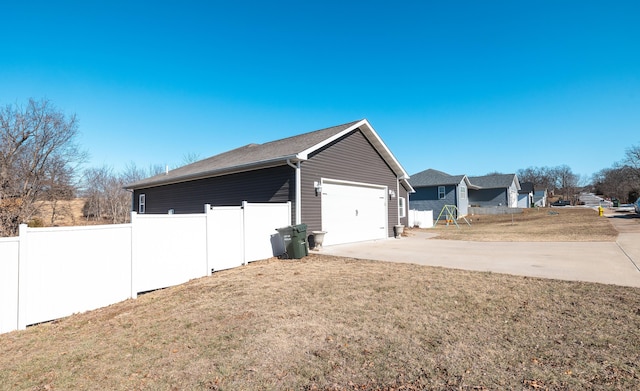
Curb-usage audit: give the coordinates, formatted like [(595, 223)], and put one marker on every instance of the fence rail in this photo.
[(49, 273)]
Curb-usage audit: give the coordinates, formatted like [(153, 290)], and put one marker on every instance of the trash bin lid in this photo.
[(300, 227)]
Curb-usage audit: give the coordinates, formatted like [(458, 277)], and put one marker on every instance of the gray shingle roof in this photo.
[(253, 156), (494, 181), (526, 187), (431, 177)]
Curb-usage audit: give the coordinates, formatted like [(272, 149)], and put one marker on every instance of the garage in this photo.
[(353, 212), (342, 179)]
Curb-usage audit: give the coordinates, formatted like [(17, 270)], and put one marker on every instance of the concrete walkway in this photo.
[(615, 263)]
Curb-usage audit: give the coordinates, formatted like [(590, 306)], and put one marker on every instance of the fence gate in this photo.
[(225, 233), (240, 234)]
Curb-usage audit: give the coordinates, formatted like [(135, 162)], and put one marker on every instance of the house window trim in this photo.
[(463, 192), (402, 207), (142, 203), (442, 192)]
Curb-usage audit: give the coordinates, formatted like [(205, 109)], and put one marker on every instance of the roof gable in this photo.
[(431, 177), (254, 156)]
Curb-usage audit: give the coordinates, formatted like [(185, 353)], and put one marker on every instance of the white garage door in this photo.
[(353, 213)]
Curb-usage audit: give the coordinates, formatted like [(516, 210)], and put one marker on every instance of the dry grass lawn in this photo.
[(65, 213), (533, 225), (329, 323)]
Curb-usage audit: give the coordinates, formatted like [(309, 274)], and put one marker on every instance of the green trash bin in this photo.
[(294, 238), (299, 241)]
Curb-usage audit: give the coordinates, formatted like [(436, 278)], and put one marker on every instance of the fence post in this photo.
[(134, 292), (245, 205), (23, 260), (208, 249)]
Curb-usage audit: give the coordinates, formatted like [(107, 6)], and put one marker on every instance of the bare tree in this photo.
[(33, 139), (617, 182), (189, 158), (106, 198), (59, 186), (566, 181), (632, 159), (93, 185), (622, 181), (541, 177)]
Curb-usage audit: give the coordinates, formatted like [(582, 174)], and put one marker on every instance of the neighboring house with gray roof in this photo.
[(540, 198), (342, 179), (434, 189), (495, 190), (525, 195)]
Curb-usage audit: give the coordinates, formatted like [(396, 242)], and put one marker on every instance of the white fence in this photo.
[(168, 250), (9, 250), (49, 273), (421, 218)]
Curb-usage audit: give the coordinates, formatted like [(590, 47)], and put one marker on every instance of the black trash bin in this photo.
[(294, 238)]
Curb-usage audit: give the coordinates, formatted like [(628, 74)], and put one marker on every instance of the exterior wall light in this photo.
[(318, 187)]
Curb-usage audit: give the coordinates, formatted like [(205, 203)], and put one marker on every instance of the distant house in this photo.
[(540, 198), (342, 179), (434, 189), (494, 190), (525, 195)]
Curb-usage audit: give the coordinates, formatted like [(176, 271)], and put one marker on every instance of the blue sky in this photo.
[(466, 87)]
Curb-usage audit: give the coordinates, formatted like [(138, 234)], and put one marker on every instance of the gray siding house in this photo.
[(495, 190), (342, 179), (434, 189), (525, 195), (540, 198)]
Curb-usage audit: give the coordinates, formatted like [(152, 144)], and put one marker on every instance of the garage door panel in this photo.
[(352, 213)]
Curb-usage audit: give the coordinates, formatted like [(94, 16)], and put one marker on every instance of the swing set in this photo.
[(450, 212)]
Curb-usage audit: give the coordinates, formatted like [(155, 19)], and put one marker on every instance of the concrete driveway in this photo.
[(615, 263)]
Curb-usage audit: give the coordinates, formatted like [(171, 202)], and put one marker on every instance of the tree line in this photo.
[(558, 180), (621, 181), (40, 160)]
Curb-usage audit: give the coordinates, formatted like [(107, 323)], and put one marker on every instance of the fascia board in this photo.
[(410, 188), (305, 154), (385, 151), (470, 185)]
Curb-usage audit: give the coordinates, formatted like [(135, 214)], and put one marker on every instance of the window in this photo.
[(141, 204), (402, 211), (441, 193), (463, 192)]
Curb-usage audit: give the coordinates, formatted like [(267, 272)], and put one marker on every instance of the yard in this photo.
[(533, 225), (329, 323)]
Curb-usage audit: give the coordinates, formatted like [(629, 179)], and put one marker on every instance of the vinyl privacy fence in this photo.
[(49, 273), (421, 218)]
